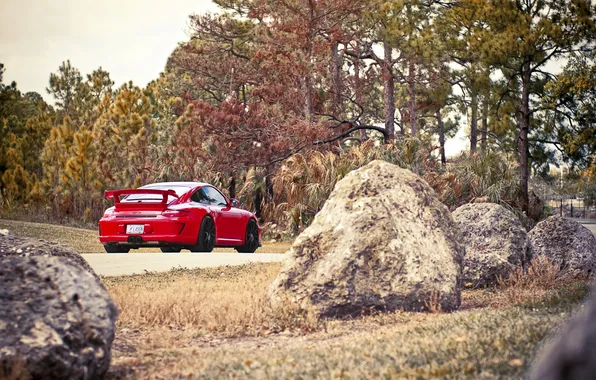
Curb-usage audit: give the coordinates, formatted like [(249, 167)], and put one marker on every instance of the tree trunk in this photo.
[(358, 90), (232, 187), (268, 184), (524, 129), (412, 93), (389, 94), (484, 130), (474, 122), (441, 137), (336, 74), (307, 88), (258, 200)]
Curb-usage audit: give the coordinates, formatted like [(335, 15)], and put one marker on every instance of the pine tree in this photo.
[(523, 36), (125, 132)]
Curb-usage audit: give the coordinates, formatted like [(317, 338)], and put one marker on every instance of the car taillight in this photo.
[(174, 213)]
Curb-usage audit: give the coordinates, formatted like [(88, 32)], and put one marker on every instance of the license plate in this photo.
[(135, 228)]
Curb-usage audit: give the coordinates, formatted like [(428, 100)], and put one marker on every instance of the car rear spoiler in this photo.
[(116, 194)]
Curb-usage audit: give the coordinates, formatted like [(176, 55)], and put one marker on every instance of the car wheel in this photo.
[(251, 238), (170, 249), (206, 240), (116, 248)]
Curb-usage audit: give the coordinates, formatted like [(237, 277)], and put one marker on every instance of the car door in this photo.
[(226, 217)]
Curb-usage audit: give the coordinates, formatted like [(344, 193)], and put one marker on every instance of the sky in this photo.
[(131, 39)]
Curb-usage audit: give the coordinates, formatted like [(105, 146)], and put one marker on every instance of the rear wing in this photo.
[(140, 204)]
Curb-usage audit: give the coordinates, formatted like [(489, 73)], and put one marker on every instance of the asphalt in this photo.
[(591, 227), (136, 263), (117, 264)]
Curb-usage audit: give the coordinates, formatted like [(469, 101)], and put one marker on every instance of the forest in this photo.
[(275, 101)]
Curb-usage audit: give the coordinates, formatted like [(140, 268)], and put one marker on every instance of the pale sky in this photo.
[(131, 39)]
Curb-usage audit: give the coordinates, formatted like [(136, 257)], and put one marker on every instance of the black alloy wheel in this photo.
[(251, 239), (206, 240)]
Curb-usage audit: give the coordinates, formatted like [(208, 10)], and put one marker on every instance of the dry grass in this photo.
[(84, 240), (13, 368), (216, 323), (227, 301), (540, 277), (81, 239)]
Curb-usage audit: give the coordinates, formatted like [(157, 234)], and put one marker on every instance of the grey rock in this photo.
[(571, 355), (382, 241), (566, 243), (495, 240), (56, 317), (11, 245)]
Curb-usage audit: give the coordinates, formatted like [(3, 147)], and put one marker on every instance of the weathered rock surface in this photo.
[(382, 241), (11, 245), (56, 317), (566, 243), (495, 240), (571, 355)]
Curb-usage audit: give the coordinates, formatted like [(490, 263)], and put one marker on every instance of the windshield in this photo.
[(180, 190)]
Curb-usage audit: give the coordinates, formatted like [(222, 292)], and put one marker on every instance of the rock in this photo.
[(566, 243), (571, 355), (495, 240), (382, 241), (56, 317), (26, 247)]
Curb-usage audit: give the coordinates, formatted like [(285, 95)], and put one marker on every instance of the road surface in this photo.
[(591, 227), (137, 263)]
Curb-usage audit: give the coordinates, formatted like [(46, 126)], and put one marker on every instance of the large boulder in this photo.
[(495, 240), (571, 355), (566, 243), (11, 245), (382, 241), (56, 319)]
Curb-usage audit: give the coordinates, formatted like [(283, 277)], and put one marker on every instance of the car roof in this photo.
[(178, 184)]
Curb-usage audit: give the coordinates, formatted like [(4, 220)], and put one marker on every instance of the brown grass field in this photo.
[(216, 323)]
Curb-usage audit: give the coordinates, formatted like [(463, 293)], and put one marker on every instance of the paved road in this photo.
[(136, 263), (591, 227)]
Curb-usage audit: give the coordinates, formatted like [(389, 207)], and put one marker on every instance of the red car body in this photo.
[(175, 216)]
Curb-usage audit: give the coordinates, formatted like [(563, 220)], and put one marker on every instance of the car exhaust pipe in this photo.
[(135, 240)]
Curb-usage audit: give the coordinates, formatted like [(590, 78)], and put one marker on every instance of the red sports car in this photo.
[(175, 216)]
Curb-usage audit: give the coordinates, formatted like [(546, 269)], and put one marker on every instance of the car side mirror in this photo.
[(235, 202)]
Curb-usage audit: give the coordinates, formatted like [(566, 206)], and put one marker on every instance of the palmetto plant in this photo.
[(304, 181), (487, 175)]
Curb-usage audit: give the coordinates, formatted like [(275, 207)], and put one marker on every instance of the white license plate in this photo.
[(135, 228)]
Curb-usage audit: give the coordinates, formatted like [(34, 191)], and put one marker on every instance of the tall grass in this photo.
[(227, 301)]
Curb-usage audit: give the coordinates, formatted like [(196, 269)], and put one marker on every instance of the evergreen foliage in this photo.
[(277, 100)]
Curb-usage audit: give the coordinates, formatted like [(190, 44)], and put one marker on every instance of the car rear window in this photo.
[(153, 197)]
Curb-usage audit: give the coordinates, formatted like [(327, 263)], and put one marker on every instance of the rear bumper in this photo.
[(158, 232), (147, 240)]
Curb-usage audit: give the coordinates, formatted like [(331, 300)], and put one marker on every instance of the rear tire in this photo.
[(116, 248), (251, 238), (170, 249), (206, 239)]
